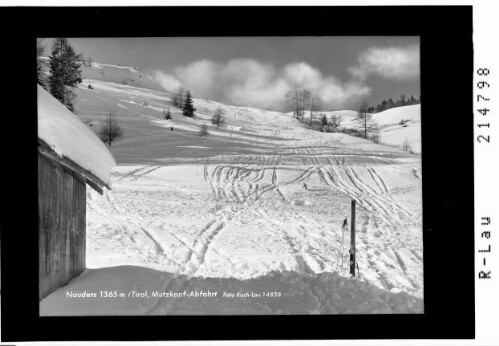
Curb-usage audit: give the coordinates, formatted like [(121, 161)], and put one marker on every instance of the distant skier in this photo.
[(171, 128), (345, 223), (305, 186)]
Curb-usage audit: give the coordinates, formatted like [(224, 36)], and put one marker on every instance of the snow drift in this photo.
[(150, 292)]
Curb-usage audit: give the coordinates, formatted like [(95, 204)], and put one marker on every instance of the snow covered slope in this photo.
[(261, 195), (125, 75), (71, 138), (396, 125), (395, 115), (401, 124)]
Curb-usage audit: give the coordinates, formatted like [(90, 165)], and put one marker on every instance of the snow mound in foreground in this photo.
[(68, 136), (169, 294)]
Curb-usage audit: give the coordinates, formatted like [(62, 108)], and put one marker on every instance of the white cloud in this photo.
[(349, 93), (396, 63), (200, 76), (304, 75), (166, 81), (248, 82)]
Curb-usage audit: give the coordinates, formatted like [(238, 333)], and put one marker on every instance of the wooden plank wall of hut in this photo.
[(61, 215)]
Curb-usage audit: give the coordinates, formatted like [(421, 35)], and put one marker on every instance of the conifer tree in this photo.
[(65, 72), (324, 122), (403, 100), (188, 106), (40, 50), (111, 131), (167, 114)]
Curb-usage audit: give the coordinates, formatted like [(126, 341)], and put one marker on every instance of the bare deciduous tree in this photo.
[(218, 118), (297, 101), (335, 122), (111, 131), (314, 106), (375, 135), (406, 146), (305, 97), (364, 121)]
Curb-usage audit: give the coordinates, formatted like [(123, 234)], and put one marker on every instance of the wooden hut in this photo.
[(70, 156)]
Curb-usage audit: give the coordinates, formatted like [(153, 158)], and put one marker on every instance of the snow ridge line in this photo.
[(156, 304)]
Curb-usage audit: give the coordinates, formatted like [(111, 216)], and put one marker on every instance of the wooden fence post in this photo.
[(352, 242)]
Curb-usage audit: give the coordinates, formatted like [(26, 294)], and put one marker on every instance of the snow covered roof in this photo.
[(70, 138)]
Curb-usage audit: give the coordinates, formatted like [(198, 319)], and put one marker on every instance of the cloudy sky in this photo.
[(258, 71)]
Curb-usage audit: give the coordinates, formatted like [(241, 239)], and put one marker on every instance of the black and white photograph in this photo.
[(230, 175)]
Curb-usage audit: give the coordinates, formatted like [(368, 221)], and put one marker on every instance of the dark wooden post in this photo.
[(352, 242)]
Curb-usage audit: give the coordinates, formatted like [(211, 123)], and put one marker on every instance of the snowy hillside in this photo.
[(400, 124), (396, 124), (263, 194), (125, 75)]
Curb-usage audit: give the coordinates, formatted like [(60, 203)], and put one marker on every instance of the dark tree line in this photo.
[(402, 101)]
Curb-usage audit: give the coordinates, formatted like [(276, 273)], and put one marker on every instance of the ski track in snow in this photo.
[(247, 184)]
